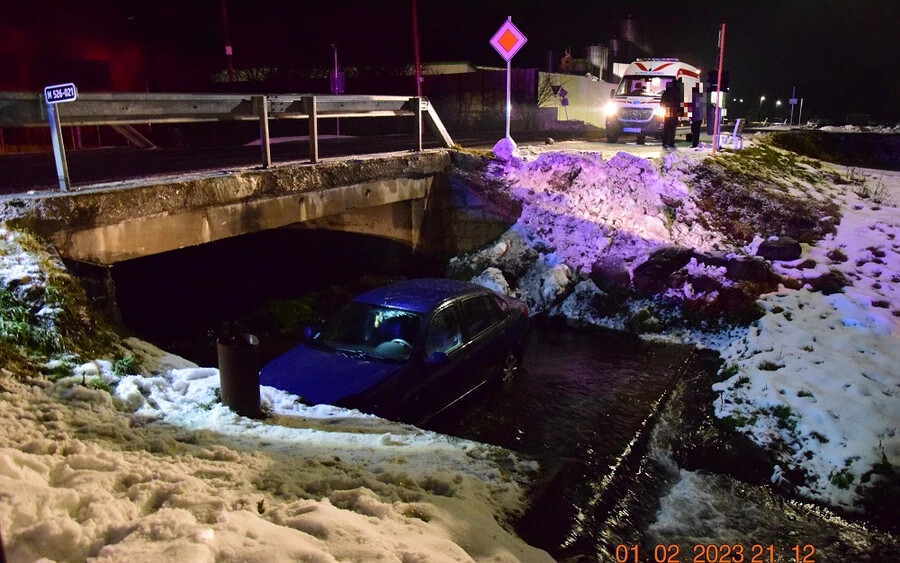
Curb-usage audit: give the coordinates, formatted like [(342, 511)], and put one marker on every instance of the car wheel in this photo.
[(641, 139), (612, 135), (510, 367)]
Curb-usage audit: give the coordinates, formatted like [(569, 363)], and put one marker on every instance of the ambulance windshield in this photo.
[(647, 86)]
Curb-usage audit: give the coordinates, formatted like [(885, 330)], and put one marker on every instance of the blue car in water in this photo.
[(407, 350)]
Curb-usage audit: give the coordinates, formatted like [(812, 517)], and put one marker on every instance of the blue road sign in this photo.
[(60, 93)]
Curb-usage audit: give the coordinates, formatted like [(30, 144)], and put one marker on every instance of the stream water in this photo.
[(602, 413)]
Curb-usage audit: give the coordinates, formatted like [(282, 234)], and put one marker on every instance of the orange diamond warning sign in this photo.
[(508, 40)]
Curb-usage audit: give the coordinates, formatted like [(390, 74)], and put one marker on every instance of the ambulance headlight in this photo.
[(659, 112), (611, 108)]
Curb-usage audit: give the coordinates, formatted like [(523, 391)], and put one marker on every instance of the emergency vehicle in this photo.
[(634, 107)]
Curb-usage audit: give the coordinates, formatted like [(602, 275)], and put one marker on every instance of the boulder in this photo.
[(652, 276), (779, 248), (700, 283), (832, 282), (750, 269), (610, 275)]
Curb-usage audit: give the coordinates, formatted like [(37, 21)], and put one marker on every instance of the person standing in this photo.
[(698, 107), (669, 102)]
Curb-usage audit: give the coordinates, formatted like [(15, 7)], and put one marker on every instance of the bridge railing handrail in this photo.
[(28, 109)]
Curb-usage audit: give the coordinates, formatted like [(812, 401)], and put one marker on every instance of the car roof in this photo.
[(419, 295)]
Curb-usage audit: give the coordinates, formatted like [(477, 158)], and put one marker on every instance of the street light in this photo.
[(759, 109), (777, 103)]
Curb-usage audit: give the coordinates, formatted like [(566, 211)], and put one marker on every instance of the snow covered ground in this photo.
[(151, 466), (819, 373), (82, 480), (815, 379)]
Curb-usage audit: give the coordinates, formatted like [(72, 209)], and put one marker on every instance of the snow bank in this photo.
[(815, 379)]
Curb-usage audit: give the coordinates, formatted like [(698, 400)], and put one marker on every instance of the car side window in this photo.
[(479, 313), (444, 334), (501, 304)]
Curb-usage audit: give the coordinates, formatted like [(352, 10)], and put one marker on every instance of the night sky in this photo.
[(842, 55)]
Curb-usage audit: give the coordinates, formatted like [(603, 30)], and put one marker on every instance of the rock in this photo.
[(505, 149), (715, 259), (610, 275), (738, 305), (492, 278), (749, 269), (549, 141), (704, 284), (671, 201), (651, 277), (585, 301), (700, 283), (832, 282), (836, 255), (780, 248), (643, 321)]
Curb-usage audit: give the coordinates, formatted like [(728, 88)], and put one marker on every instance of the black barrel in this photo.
[(239, 373)]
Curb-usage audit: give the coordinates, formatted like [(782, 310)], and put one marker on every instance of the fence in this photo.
[(123, 110)]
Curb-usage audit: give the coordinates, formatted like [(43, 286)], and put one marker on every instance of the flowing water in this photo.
[(603, 412)]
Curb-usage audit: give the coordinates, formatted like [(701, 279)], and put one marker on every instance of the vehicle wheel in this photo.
[(641, 139), (510, 367), (612, 135)]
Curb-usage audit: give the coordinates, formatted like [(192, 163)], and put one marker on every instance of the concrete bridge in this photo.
[(384, 196)]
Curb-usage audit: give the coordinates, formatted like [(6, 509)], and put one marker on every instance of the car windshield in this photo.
[(647, 86), (371, 332)]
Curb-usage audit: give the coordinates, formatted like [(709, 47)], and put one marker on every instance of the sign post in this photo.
[(563, 100), (717, 125), (54, 95), (507, 41), (793, 102), (337, 86)]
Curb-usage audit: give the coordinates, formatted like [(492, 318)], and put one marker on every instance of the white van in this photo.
[(634, 107)]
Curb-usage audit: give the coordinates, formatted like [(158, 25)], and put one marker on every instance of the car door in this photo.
[(443, 355), (484, 348)]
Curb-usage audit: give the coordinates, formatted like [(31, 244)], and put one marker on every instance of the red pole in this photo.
[(719, 91), (227, 41), (416, 46)]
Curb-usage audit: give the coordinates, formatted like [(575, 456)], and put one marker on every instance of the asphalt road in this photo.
[(22, 173)]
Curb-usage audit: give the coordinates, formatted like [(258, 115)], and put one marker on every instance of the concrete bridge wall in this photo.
[(383, 196)]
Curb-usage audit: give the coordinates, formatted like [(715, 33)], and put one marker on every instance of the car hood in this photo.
[(324, 376)]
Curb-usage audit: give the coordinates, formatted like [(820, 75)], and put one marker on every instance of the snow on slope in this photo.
[(816, 378), (829, 363)]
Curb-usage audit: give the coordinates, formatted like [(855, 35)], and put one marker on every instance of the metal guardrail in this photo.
[(27, 109)]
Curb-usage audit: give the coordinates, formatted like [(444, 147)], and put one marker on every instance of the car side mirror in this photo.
[(437, 359), (612, 93)]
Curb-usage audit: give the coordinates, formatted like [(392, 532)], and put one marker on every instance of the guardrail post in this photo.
[(417, 114), (310, 103), (261, 105), (59, 147)]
